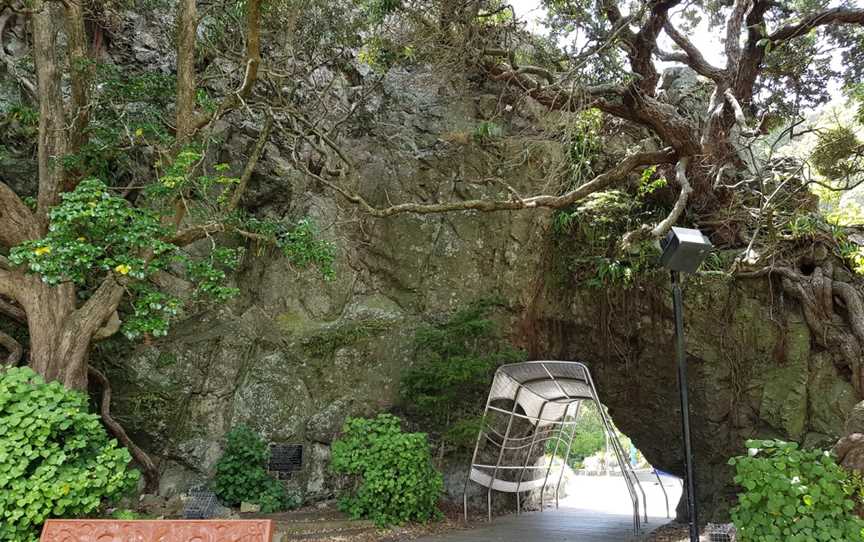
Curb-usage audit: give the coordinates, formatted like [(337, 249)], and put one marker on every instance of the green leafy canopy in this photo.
[(94, 232)]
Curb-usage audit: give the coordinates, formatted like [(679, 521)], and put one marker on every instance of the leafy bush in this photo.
[(793, 495), (395, 478), (447, 385), (241, 474), (56, 459)]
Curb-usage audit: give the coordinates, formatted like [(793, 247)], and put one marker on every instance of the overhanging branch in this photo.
[(830, 16), (598, 183)]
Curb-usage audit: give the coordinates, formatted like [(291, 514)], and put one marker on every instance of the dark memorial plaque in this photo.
[(286, 458)]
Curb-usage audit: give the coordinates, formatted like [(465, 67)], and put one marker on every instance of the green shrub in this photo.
[(395, 478), (793, 495), (56, 459), (241, 474), (446, 387)]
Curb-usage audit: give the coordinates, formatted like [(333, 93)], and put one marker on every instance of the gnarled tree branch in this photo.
[(11, 68), (691, 56), (660, 229), (257, 151), (13, 311), (598, 183), (826, 17)]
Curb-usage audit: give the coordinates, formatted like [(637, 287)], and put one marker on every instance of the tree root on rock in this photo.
[(833, 310), (151, 473)]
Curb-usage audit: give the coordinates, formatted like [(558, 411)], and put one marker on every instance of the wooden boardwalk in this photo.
[(597, 513)]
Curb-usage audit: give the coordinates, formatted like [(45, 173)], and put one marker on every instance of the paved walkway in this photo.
[(599, 510)]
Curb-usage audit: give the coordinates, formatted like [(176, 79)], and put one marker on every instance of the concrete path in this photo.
[(597, 510)]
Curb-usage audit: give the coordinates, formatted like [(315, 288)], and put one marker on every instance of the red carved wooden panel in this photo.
[(109, 530)]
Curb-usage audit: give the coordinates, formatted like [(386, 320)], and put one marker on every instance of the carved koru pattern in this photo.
[(107, 530)]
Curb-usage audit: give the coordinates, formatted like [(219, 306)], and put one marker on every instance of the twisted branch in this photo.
[(151, 474), (598, 183)]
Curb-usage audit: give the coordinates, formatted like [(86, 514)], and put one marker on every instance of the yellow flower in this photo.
[(139, 132), (82, 239), (123, 269), (42, 250)]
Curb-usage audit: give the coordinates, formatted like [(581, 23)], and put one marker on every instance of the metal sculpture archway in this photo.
[(530, 407)]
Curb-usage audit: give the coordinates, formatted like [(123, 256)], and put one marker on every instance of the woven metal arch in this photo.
[(529, 408)]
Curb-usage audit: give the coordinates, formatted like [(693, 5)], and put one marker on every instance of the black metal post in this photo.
[(685, 404)]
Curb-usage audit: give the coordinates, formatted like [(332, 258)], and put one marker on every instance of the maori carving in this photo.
[(106, 530)]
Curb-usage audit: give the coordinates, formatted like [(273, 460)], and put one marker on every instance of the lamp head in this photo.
[(684, 250)]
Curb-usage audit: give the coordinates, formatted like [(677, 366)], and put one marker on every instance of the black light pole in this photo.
[(683, 250), (685, 405)]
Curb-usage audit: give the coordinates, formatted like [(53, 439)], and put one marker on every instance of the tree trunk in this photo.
[(55, 353)]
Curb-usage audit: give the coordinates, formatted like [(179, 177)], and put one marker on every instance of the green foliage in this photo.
[(595, 227), (793, 495), (300, 242), (395, 480), (382, 53), (801, 226), (126, 114), (325, 342), (495, 13), (584, 143), (152, 312), (25, 117), (56, 459), (241, 474), (447, 384), (378, 10), (487, 131), (93, 230), (838, 153), (125, 514), (856, 94), (589, 437), (649, 182)]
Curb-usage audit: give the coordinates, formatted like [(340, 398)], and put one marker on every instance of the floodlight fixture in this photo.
[(684, 250)]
